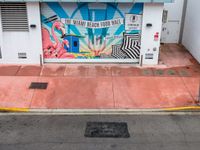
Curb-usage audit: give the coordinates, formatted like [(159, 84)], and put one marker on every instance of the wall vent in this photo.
[(14, 17), (22, 55), (148, 56)]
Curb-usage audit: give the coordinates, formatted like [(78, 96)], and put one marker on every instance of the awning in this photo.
[(111, 1)]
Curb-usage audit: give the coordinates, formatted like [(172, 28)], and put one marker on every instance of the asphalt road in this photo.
[(148, 132)]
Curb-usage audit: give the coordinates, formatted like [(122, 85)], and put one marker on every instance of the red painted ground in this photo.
[(103, 86)]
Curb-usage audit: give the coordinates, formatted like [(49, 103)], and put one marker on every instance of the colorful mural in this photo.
[(91, 30)]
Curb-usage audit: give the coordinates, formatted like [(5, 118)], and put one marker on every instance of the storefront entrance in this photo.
[(91, 32)]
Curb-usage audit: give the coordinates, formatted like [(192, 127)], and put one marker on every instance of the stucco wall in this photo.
[(174, 9), (28, 42), (0, 36), (31, 42), (152, 13), (191, 36), (171, 29)]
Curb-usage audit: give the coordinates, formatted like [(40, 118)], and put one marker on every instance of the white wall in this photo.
[(191, 34), (171, 29), (29, 42), (0, 34), (174, 9), (152, 14)]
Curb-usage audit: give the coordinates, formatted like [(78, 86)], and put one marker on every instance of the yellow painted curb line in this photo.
[(14, 110), (166, 109), (183, 108)]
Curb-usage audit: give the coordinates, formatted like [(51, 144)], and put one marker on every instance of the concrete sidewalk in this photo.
[(99, 87)]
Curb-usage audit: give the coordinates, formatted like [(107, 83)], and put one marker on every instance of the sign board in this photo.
[(133, 22), (93, 24)]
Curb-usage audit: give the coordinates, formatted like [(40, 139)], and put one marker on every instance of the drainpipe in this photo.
[(183, 20)]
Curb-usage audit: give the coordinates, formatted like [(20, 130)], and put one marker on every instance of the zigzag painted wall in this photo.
[(87, 30)]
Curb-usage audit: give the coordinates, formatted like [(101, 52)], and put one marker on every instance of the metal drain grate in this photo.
[(38, 85), (107, 130)]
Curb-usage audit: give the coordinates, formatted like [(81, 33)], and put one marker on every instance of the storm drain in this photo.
[(107, 130), (38, 85)]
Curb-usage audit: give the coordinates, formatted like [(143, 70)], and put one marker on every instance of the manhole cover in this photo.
[(107, 130), (38, 85)]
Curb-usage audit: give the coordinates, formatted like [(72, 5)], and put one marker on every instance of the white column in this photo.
[(152, 14), (33, 9)]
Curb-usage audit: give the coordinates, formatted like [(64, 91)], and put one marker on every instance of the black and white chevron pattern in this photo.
[(131, 46), (117, 52), (127, 36), (133, 36)]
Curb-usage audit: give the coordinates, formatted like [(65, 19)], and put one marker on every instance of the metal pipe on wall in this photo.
[(183, 21)]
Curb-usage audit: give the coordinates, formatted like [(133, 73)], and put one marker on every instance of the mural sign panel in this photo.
[(133, 22), (93, 24), (91, 30)]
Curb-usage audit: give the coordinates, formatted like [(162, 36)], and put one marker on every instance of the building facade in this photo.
[(106, 31), (191, 30), (173, 22)]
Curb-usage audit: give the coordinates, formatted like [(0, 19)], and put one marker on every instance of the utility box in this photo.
[(73, 44)]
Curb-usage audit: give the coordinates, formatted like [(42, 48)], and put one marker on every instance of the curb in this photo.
[(14, 110), (189, 108), (174, 110)]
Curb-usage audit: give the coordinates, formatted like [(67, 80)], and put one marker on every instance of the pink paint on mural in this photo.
[(55, 49)]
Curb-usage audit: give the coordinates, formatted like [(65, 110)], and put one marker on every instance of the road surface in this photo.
[(148, 132)]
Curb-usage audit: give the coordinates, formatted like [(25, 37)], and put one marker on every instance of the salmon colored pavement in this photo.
[(157, 92), (29, 71), (14, 92), (93, 92), (76, 92), (53, 70), (192, 85), (8, 70), (173, 83)]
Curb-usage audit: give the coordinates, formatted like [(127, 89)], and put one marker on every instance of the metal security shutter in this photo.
[(14, 17)]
